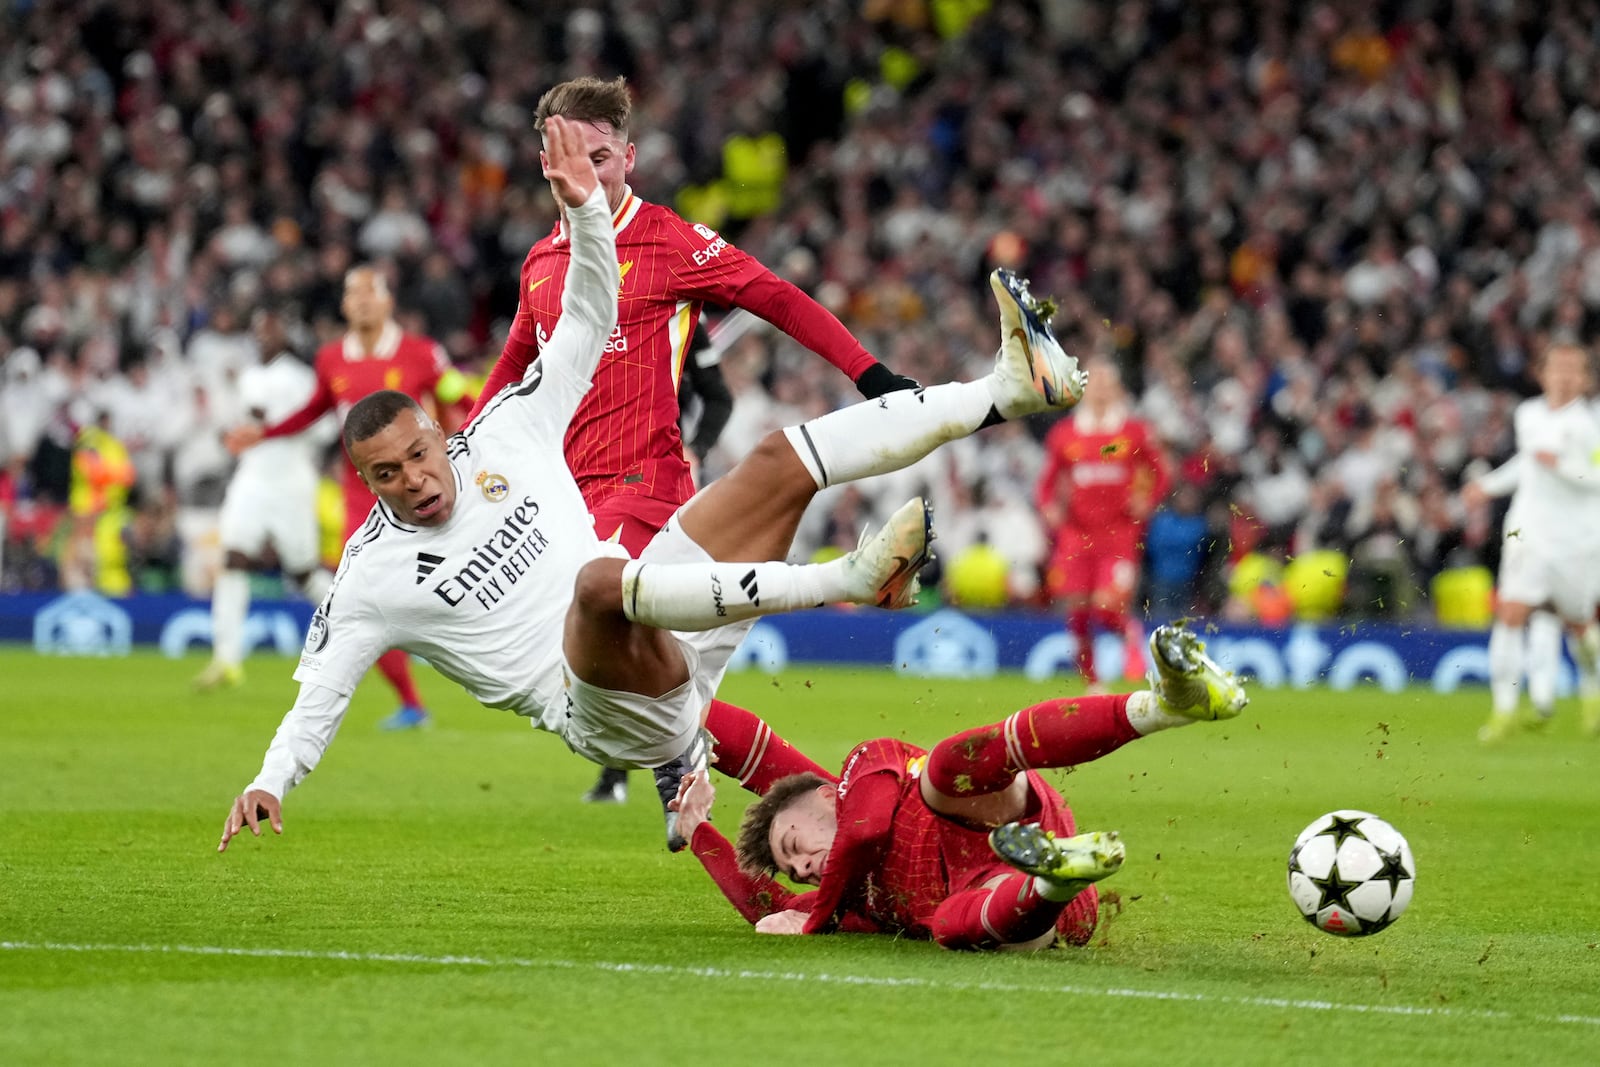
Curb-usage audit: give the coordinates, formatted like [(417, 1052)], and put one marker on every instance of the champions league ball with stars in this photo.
[(1351, 873)]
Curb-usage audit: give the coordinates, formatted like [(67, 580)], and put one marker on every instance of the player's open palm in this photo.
[(251, 809), (566, 164)]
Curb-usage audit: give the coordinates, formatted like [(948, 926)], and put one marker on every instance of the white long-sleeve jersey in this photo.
[(1552, 508), (484, 596)]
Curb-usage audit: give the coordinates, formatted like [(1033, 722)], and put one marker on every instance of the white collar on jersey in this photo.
[(388, 343), (1115, 416), (619, 218)]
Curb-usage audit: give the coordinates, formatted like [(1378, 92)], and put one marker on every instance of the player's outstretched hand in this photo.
[(566, 164), (693, 802), (251, 809), (241, 438), (782, 922)]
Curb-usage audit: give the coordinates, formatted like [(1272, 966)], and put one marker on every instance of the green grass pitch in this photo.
[(442, 897)]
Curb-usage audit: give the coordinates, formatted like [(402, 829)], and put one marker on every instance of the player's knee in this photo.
[(780, 469), (598, 587)]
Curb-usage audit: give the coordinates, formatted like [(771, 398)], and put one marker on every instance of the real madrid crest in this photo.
[(494, 486)]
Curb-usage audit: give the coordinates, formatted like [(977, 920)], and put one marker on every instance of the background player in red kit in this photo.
[(374, 354), (624, 446), (901, 841), (1103, 477)]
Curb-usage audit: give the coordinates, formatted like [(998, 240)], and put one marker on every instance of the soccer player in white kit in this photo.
[(481, 557), (271, 500), (1549, 553)]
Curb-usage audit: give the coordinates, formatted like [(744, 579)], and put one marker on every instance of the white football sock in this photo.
[(1057, 891), (1146, 715), (230, 603), (1505, 667), (891, 432), (702, 596), (1543, 660)]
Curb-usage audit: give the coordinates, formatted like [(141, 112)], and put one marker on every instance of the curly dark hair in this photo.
[(754, 848)]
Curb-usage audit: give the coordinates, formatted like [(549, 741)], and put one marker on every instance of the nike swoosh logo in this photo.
[(534, 285)]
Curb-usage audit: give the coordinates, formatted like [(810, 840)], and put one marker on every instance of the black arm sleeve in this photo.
[(716, 403)]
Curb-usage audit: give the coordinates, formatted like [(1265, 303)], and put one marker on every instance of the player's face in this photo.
[(406, 465), (612, 155), (367, 303), (1565, 376), (802, 834)]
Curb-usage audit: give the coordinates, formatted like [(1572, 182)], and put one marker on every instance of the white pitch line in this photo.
[(823, 978)]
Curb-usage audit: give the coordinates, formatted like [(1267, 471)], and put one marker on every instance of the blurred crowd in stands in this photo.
[(1325, 242)]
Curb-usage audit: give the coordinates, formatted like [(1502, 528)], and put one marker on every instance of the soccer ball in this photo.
[(1351, 873)]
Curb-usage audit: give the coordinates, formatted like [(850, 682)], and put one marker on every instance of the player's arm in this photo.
[(303, 736), (752, 896), (709, 268), (703, 372), (1502, 481), (240, 438), (787, 307), (589, 299), (865, 819)]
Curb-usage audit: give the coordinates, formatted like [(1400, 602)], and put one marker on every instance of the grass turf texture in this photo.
[(495, 918)]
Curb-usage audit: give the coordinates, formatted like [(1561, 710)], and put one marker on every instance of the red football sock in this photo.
[(749, 750), (396, 666), (1007, 914), (1078, 627), (1057, 733), (1077, 922)]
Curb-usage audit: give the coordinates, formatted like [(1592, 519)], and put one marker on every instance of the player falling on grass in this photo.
[(1548, 550), (481, 554), (270, 503), (375, 354), (964, 844), (623, 445), (1103, 477)]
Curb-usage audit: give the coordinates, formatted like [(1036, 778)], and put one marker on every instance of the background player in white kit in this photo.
[(1549, 554), (481, 555), (271, 499)]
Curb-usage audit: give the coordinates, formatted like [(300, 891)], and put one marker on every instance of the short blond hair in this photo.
[(588, 100)]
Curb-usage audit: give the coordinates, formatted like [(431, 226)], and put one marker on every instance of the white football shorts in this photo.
[(1565, 581), (620, 729), (254, 513)]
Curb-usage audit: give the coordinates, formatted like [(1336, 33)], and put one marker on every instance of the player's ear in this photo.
[(828, 792), (627, 159)]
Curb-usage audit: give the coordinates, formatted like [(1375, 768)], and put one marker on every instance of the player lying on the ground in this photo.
[(481, 556), (964, 844)]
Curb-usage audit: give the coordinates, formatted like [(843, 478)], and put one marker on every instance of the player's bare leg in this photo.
[(751, 514)]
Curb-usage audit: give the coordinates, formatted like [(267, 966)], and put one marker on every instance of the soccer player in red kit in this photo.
[(624, 446), (374, 354), (1102, 479), (965, 844)]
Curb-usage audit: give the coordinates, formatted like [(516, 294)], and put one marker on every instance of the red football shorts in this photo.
[(1100, 561), (631, 521)]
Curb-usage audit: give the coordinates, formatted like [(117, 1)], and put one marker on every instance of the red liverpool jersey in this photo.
[(1108, 471), (400, 361), (624, 438)]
